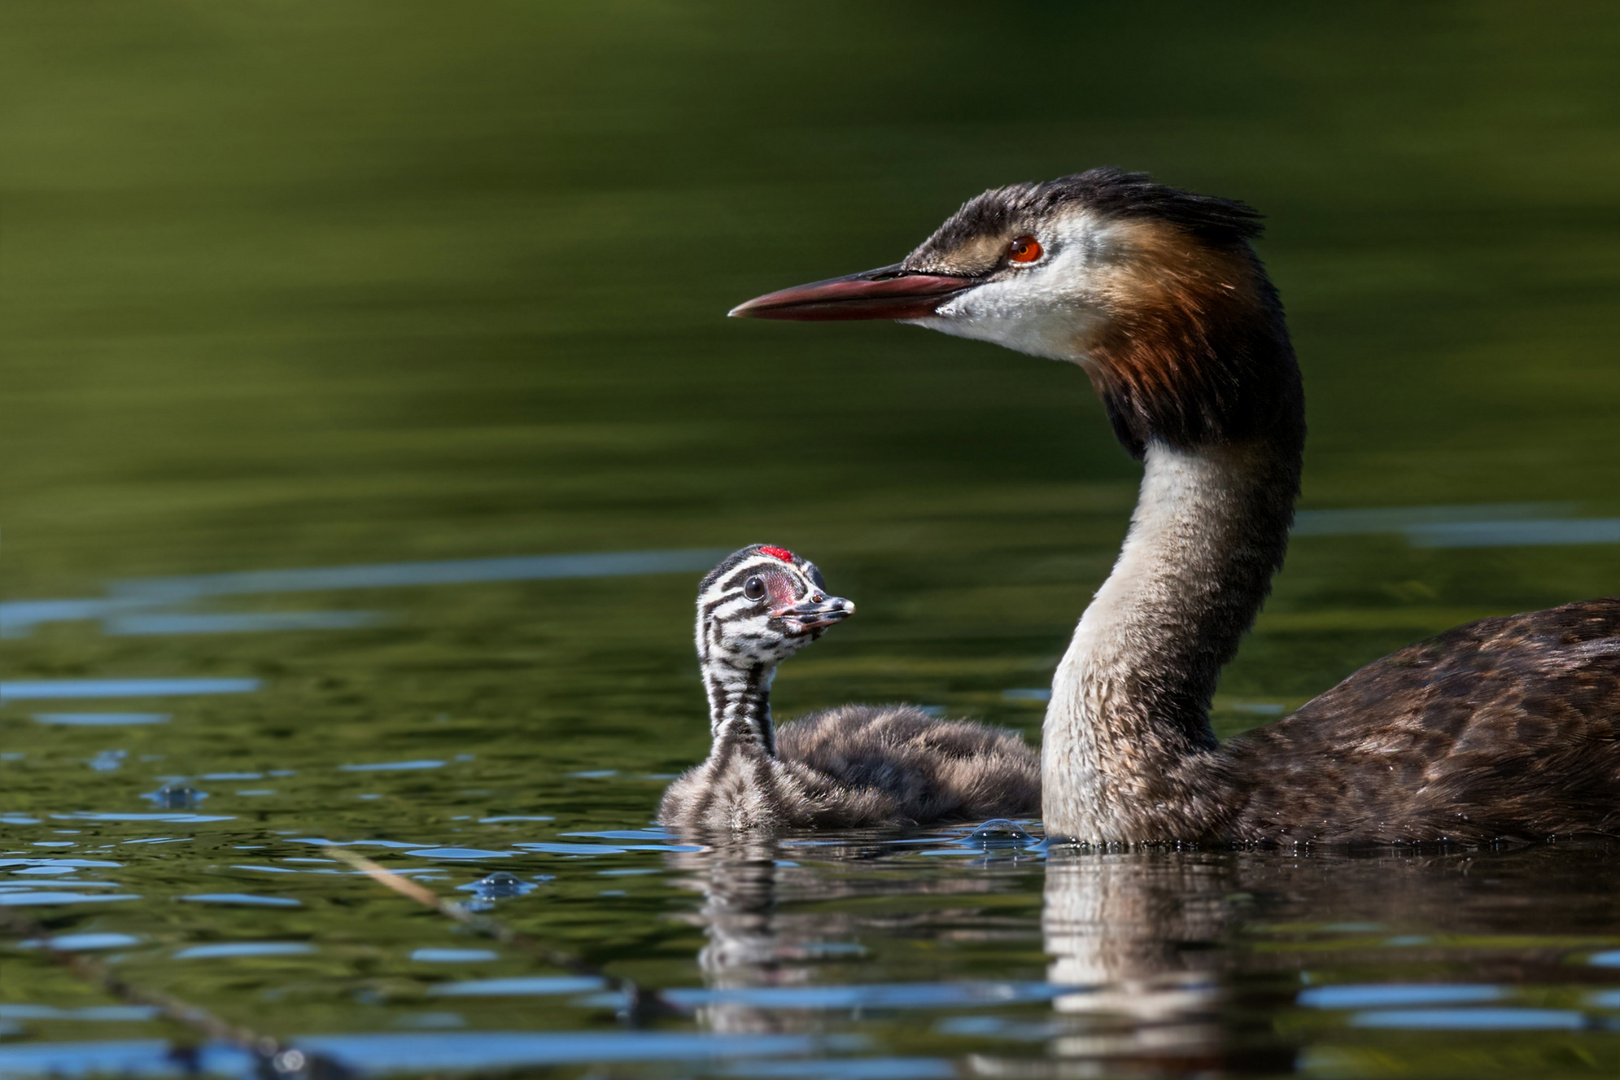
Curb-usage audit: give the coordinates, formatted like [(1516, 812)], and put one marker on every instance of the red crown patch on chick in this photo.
[(778, 553)]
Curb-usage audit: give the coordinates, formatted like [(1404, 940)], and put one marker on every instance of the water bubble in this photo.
[(1000, 833), (498, 886), (176, 796), (109, 760)]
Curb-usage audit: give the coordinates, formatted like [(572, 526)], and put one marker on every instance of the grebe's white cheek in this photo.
[(1047, 309), (1037, 312)]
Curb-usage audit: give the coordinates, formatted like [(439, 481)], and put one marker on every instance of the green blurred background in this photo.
[(297, 284)]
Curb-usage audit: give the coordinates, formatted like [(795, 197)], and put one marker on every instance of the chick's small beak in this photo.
[(823, 612), (889, 292)]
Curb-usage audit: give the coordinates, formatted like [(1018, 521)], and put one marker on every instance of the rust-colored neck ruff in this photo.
[(1194, 350)]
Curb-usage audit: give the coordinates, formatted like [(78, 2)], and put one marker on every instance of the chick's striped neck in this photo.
[(740, 701)]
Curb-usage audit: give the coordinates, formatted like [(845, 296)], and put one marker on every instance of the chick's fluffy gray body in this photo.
[(858, 766)]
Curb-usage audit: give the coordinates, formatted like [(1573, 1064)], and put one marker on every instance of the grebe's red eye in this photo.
[(1025, 249)]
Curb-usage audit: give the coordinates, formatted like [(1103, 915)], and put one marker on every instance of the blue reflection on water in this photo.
[(1394, 519), (244, 948), (128, 610), (848, 1068), (1474, 1019), (102, 1013), (519, 986), (1361, 996), (85, 942), (461, 1051), (352, 843), (172, 819), (1537, 533), (873, 995), (96, 719), (453, 956), (19, 617), (458, 853), (243, 898), (406, 1052), (238, 623), (69, 689), (1488, 525), (30, 899)]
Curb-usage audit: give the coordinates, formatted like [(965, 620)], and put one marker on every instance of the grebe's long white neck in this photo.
[(1130, 700)]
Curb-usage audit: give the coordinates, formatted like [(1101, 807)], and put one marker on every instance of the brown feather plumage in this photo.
[(1505, 728)]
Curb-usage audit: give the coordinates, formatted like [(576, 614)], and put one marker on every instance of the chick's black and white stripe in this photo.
[(739, 644), (848, 767)]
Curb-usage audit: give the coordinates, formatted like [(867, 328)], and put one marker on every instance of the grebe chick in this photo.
[(1508, 727), (850, 767)]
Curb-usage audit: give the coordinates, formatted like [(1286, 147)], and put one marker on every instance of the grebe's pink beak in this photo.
[(888, 292)]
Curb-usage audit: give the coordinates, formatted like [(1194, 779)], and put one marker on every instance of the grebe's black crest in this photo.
[(1154, 291), (1191, 348), (1107, 190)]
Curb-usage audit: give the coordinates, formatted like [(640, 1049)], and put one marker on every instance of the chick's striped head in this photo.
[(763, 604)]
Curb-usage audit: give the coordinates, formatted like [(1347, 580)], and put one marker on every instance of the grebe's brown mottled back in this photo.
[(1508, 727), (850, 767)]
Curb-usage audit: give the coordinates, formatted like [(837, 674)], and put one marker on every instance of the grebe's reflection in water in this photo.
[(1155, 961), (1118, 968), (1134, 940)]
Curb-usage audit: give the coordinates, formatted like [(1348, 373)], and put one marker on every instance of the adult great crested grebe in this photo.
[(1509, 727), (850, 767)]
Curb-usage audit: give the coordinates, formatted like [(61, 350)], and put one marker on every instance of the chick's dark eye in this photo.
[(754, 588)]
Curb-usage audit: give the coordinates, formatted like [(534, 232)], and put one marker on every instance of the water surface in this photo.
[(367, 417)]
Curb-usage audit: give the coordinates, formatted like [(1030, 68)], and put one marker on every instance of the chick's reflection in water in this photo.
[(747, 944), (797, 945)]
